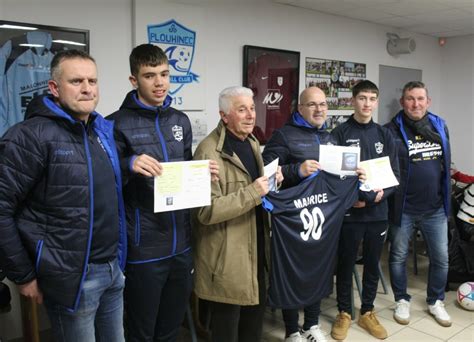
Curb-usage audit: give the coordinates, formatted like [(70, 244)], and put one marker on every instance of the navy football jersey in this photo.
[(306, 224)]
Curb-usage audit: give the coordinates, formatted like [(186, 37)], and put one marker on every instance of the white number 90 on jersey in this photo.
[(312, 223)]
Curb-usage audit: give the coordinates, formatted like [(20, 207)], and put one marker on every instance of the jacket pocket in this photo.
[(137, 227), (221, 256), (39, 249)]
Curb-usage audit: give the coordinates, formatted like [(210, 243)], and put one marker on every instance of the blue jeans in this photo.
[(434, 228), (99, 316)]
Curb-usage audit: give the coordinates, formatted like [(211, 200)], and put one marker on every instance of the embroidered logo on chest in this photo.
[(378, 147), (177, 132)]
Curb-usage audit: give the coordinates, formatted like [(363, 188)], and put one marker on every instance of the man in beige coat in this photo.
[(232, 235)]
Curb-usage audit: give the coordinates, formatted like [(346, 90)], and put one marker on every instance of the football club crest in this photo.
[(178, 43), (280, 81), (378, 147), (177, 132)]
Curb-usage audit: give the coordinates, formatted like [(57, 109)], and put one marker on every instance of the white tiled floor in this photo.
[(422, 327)]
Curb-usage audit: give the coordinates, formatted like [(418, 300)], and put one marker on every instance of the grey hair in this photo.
[(63, 55), (412, 85), (226, 95)]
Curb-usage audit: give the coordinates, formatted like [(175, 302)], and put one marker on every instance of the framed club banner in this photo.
[(273, 75)]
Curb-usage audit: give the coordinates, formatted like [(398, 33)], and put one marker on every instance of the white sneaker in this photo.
[(314, 334), (402, 312), (295, 337), (439, 313)]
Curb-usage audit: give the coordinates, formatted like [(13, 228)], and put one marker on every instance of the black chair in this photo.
[(5, 294)]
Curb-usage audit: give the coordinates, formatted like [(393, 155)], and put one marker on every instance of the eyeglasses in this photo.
[(314, 105)]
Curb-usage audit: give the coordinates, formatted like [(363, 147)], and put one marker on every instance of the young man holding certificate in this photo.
[(367, 220), (159, 268)]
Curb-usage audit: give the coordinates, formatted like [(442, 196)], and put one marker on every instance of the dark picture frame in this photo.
[(273, 75), (62, 37), (26, 51)]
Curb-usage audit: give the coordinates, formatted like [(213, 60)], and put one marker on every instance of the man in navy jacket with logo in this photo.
[(62, 220), (296, 145), (423, 198)]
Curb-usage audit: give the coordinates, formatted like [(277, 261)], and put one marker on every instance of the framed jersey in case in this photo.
[(273, 75), (26, 51)]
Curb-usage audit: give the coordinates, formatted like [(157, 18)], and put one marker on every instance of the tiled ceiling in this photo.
[(438, 18)]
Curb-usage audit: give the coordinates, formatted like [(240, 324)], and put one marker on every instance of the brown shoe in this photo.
[(341, 325), (369, 322)]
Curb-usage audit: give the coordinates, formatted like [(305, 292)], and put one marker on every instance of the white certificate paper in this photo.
[(341, 160), (270, 171), (183, 185), (379, 174)]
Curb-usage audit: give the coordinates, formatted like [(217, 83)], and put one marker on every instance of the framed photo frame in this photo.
[(26, 51), (273, 75), (336, 78)]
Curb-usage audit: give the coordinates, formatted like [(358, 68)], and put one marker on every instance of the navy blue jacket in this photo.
[(374, 141), (46, 200), (163, 133), (294, 143), (397, 201)]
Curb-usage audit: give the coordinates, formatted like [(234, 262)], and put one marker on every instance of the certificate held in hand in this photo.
[(183, 185), (379, 174)]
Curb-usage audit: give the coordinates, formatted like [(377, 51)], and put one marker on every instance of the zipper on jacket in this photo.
[(173, 219), (318, 141), (91, 216), (137, 227), (110, 148), (39, 249), (165, 157), (405, 140)]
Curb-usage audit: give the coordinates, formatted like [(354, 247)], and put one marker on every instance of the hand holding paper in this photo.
[(341, 160), (270, 170), (379, 174), (183, 185)]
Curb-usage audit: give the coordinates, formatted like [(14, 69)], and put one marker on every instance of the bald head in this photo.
[(311, 92), (313, 106)]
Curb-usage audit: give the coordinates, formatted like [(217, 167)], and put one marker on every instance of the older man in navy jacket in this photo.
[(422, 198)]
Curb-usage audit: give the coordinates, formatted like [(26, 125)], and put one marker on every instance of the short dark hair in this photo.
[(146, 55), (364, 85), (412, 85), (64, 55)]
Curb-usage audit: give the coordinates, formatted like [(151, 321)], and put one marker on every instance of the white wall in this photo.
[(457, 96), (222, 30)]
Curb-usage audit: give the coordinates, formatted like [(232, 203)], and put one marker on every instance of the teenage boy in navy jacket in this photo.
[(367, 220), (159, 268)]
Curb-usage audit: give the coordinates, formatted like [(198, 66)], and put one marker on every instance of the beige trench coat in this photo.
[(225, 233)]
